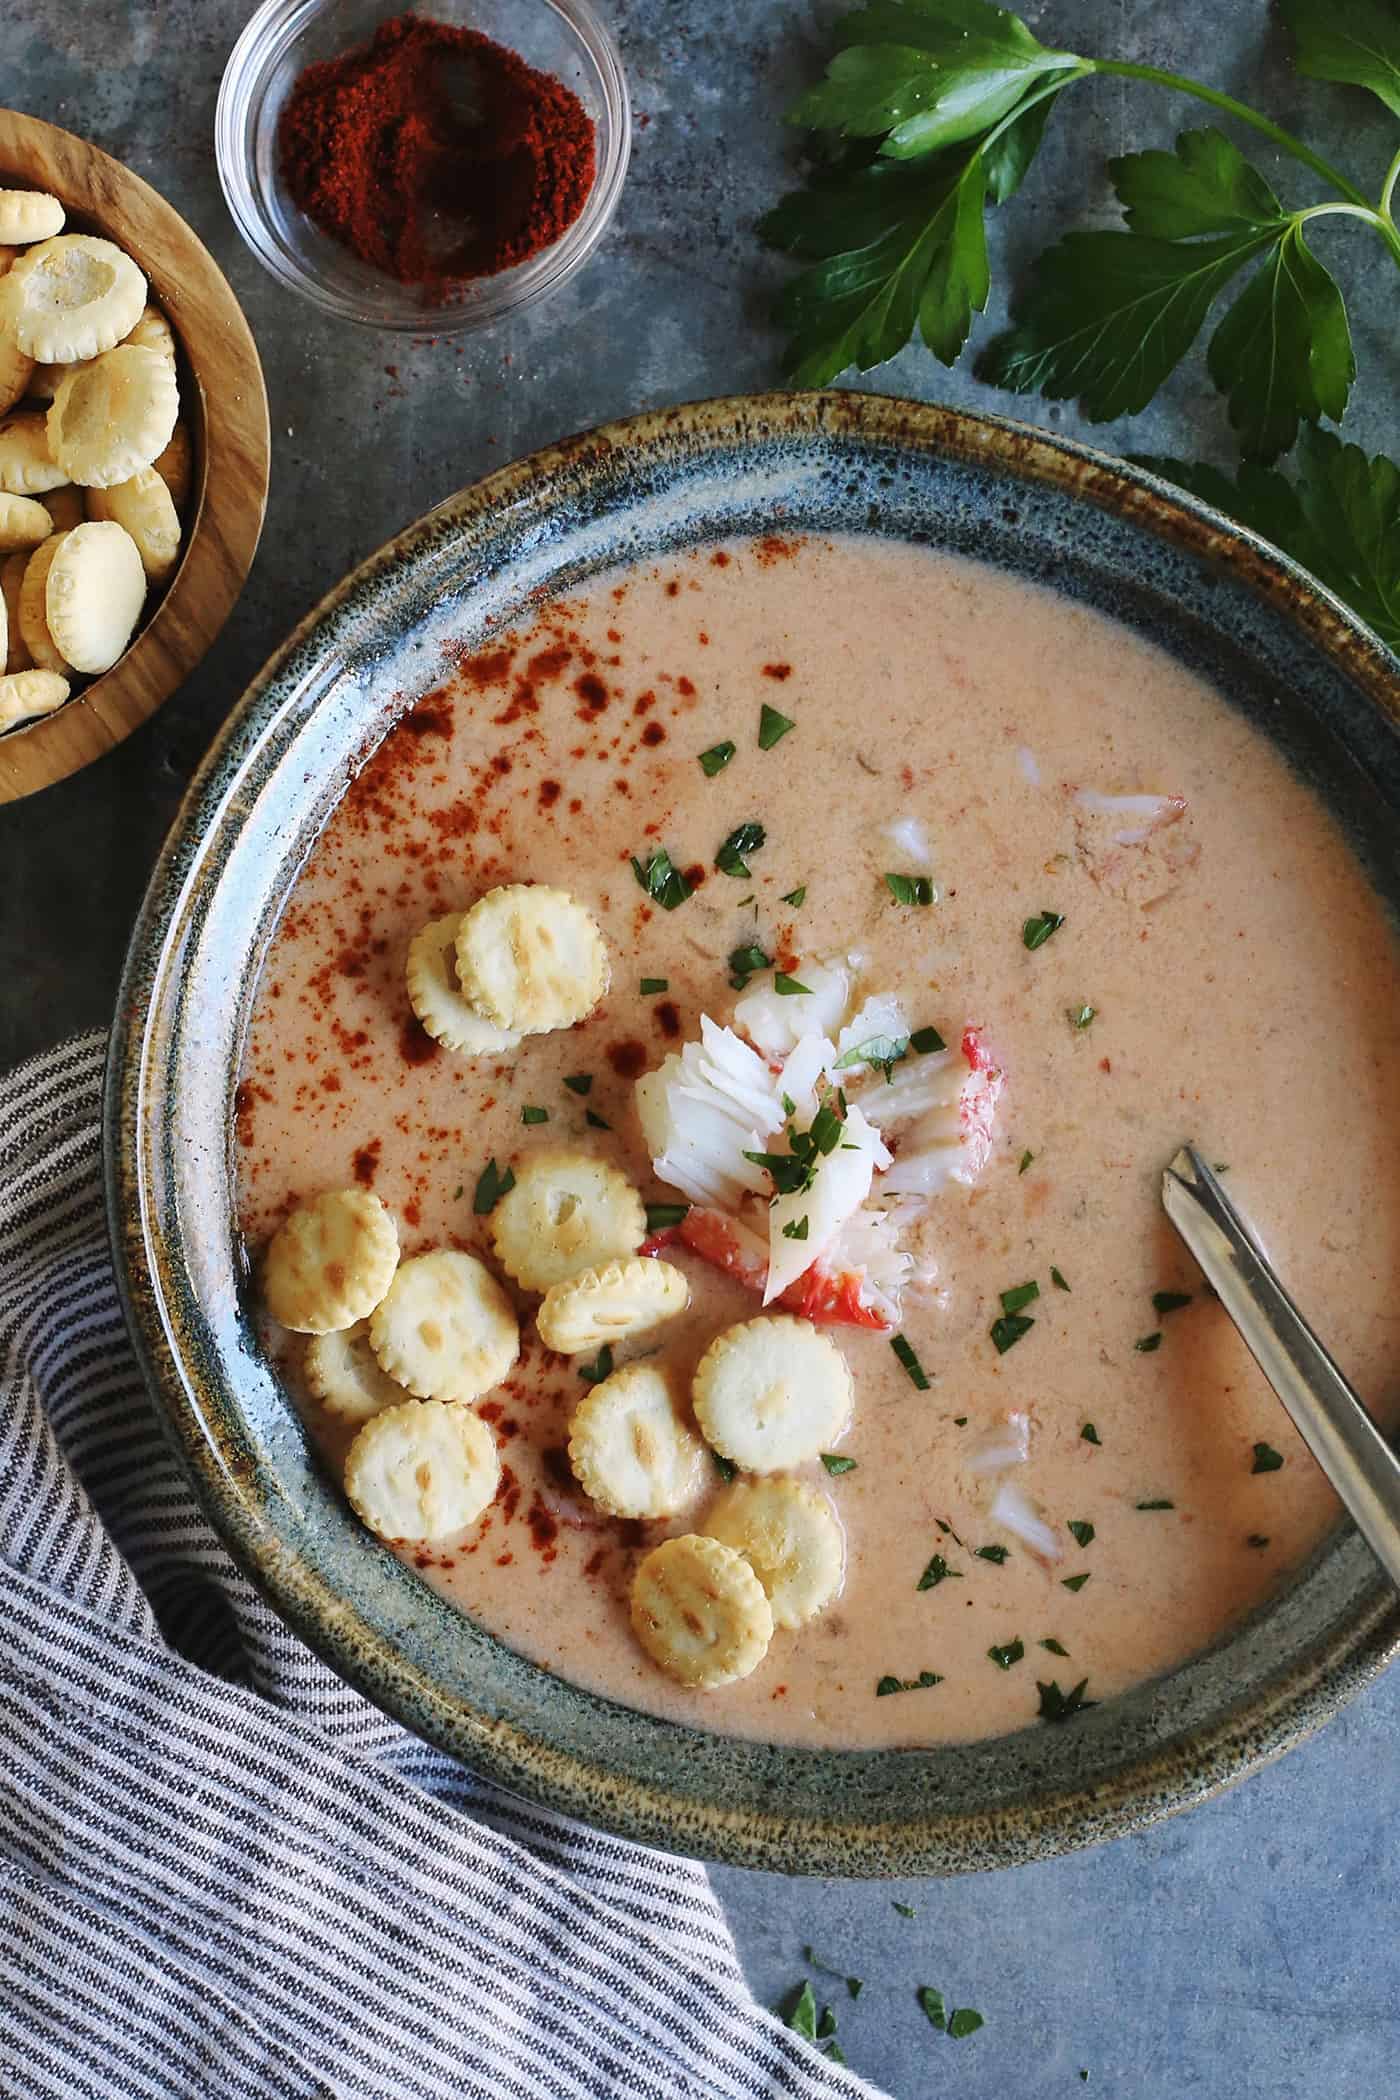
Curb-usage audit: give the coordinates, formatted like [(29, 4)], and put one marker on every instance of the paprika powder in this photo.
[(436, 154)]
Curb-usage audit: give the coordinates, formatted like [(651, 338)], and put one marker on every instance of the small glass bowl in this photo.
[(562, 37)]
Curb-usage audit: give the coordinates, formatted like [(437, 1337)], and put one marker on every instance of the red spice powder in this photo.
[(435, 154)]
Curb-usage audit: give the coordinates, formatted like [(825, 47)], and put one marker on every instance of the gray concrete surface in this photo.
[(1247, 1952)]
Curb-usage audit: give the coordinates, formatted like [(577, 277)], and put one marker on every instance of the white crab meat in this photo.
[(777, 1021), (840, 1184)]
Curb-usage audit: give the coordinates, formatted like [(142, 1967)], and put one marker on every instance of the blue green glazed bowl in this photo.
[(1275, 644)]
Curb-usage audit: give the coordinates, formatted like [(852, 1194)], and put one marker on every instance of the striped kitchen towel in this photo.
[(223, 1872)]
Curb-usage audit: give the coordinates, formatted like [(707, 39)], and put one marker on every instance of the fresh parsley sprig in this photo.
[(932, 110)]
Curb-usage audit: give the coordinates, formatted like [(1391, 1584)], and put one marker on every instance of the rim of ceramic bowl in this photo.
[(248, 76), (1169, 1768)]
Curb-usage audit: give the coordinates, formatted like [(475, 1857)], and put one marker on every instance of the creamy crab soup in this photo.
[(959, 908)]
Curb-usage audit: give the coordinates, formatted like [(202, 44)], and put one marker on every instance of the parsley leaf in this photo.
[(1080, 1530), (1073, 1582), (1148, 1344), (921, 1683), (772, 728), (533, 1114), (594, 1121), (662, 879), (938, 1571), (1008, 1330), (744, 961), (1010, 1653), (491, 1185), (1055, 1647), (910, 889), (926, 1041), (1037, 931), (1354, 41), (1266, 1459), (796, 1228), (600, 1368), (1022, 1295), (904, 1351), (716, 758), (930, 76), (662, 1217), (1340, 518), (932, 2003), (1282, 355), (649, 985), (881, 1052), (1090, 1434), (1058, 1280), (801, 2015), (579, 1082), (797, 896), (997, 1555), (1056, 1705), (837, 1462), (745, 838), (725, 1467), (790, 987), (964, 2022), (1026, 1160), (1164, 1302)]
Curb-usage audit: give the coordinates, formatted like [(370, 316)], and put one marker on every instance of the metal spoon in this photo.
[(1326, 1412)]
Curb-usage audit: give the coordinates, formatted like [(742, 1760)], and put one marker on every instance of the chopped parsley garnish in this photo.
[(1019, 1295), (1010, 1653), (1054, 1647), (836, 1462), (964, 2021), (1164, 1302), (458, 1192), (997, 1555), (796, 1228), (926, 1041), (491, 1185), (1257, 1539), (910, 1361), (1026, 1158), (662, 879), (1008, 1330), (725, 1467), (881, 1052), (1057, 1278), (797, 896), (910, 889), (906, 1910), (1154, 1505), (801, 2015), (1266, 1459), (534, 1115), (655, 984), (1080, 1530), (920, 1683), (1148, 1344), (581, 1082), (600, 1368), (826, 2023), (789, 1105), (1037, 931), (789, 987), (960, 1421), (937, 1571), (716, 758), (1074, 1582), (772, 727), (744, 838), (744, 961), (1090, 1434), (932, 2003), (1056, 1705), (795, 1170), (1079, 1017), (661, 1217), (594, 1121)]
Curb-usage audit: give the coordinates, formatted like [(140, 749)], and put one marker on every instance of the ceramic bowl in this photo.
[(1282, 651)]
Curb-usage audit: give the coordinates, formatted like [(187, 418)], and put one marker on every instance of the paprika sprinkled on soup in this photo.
[(1092, 887)]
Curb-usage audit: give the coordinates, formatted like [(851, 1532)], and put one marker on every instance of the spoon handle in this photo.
[(1326, 1412)]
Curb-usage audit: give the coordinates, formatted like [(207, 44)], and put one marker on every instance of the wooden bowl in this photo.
[(223, 401)]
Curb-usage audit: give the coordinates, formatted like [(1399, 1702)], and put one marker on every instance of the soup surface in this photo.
[(1222, 974)]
